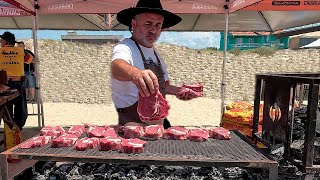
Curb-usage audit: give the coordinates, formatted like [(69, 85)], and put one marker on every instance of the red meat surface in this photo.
[(219, 133), (118, 128), (176, 132), (87, 143), (110, 133), (154, 131), (132, 145), (198, 134), (194, 90), (152, 108), (76, 130), (107, 144), (64, 140), (96, 131), (38, 141), (133, 132), (53, 131)]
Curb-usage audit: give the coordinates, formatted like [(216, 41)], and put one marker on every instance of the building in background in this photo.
[(300, 40), (94, 39), (252, 40)]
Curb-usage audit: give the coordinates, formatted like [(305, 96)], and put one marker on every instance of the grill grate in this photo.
[(235, 150)]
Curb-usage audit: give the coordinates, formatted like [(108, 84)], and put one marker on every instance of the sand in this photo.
[(197, 112)]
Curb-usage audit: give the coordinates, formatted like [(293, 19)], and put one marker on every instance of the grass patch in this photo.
[(235, 51), (264, 51)]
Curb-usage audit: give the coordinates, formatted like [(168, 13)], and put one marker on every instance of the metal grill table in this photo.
[(237, 151)]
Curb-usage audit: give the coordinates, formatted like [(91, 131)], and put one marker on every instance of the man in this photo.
[(15, 80), (29, 70), (136, 65)]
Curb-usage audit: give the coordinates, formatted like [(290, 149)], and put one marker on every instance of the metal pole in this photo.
[(224, 59), (35, 44)]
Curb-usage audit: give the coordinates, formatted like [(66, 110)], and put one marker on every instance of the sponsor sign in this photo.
[(12, 60), (289, 5)]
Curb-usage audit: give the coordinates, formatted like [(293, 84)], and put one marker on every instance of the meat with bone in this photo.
[(153, 108), (176, 132), (198, 134), (86, 143), (38, 141), (193, 90), (107, 144), (64, 140), (219, 133), (133, 132), (53, 131), (76, 130), (154, 131), (132, 145)]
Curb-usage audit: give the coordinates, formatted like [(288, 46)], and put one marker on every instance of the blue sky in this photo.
[(194, 40)]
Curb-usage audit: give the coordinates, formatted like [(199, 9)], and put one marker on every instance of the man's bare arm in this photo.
[(145, 80)]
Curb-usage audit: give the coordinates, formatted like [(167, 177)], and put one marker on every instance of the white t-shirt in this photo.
[(125, 93)]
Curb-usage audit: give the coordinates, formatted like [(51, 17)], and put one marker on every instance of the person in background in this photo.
[(18, 106), (137, 66), (29, 70)]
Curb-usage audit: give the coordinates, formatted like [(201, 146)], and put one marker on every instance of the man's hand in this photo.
[(146, 82)]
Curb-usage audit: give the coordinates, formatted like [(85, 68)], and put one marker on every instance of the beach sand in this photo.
[(197, 112)]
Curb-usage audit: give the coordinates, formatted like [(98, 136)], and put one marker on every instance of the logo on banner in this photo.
[(285, 3), (238, 2), (9, 12), (61, 6), (311, 3), (203, 6)]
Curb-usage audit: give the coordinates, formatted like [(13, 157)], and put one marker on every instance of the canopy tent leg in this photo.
[(224, 60), (35, 44)]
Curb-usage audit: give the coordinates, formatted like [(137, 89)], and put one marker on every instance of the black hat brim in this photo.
[(125, 16)]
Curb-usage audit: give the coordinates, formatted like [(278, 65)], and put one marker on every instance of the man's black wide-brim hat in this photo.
[(153, 6)]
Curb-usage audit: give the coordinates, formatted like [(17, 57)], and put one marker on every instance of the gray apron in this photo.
[(130, 114)]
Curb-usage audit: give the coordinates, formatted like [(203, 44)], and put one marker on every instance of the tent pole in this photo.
[(35, 44), (224, 60)]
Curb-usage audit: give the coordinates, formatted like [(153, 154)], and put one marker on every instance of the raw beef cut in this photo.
[(87, 143), (219, 133), (194, 90), (176, 132), (38, 141), (133, 132), (132, 145), (110, 133), (53, 131), (64, 140), (198, 134), (107, 144), (153, 131), (118, 128), (96, 131), (152, 108), (76, 130)]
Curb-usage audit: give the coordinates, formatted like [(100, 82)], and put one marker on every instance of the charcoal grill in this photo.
[(277, 126), (238, 151)]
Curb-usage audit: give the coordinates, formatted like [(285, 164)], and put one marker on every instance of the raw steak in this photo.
[(64, 140), (87, 143), (219, 133), (154, 131), (107, 144), (176, 132), (132, 145), (194, 90), (133, 132), (110, 133), (198, 134), (152, 108), (38, 141), (76, 130), (96, 131), (53, 131), (118, 128)]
